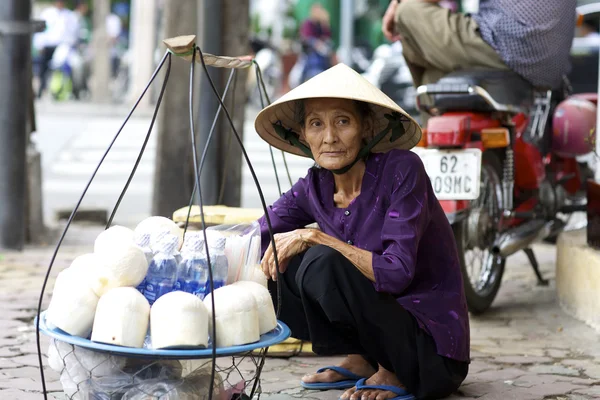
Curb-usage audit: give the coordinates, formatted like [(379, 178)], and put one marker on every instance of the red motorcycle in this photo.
[(502, 159)]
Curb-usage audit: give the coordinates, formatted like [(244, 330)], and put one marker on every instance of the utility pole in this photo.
[(100, 43), (173, 177), (15, 38), (346, 31), (236, 26), (143, 41), (225, 26), (210, 24)]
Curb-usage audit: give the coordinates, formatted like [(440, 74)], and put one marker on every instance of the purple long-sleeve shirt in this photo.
[(398, 218)]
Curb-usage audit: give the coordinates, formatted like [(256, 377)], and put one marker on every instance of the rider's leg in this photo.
[(435, 39)]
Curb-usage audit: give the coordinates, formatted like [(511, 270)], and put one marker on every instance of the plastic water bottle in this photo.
[(162, 273), (192, 273), (143, 242), (157, 236), (218, 260)]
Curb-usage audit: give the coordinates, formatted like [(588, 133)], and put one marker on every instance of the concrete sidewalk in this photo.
[(526, 347)]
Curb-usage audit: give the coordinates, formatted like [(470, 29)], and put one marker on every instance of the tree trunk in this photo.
[(221, 179), (173, 176)]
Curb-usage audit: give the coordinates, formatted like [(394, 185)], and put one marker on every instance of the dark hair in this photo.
[(364, 110)]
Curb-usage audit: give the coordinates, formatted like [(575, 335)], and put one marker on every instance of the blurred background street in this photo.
[(72, 70)]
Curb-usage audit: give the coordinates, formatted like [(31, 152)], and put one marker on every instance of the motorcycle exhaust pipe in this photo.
[(521, 237)]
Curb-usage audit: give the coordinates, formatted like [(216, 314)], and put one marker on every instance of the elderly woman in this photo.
[(379, 281)]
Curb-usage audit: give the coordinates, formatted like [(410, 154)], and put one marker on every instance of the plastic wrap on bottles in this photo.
[(195, 386)]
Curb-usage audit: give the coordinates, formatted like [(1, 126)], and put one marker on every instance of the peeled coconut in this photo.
[(73, 302), (121, 318), (112, 237), (255, 274), (236, 316), (124, 265), (267, 320), (157, 224), (178, 319)]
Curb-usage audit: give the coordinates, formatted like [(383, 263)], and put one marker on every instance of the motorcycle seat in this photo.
[(477, 90)]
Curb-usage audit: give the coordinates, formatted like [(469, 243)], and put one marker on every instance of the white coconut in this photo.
[(122, 318), (236, 316), (156, 224), (178, 319), (73, 303), (112, 237), (255, 274), (267, 320), (124, 265)]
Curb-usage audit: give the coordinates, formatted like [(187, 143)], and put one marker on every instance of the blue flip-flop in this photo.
[(400, 393), (350, 381)]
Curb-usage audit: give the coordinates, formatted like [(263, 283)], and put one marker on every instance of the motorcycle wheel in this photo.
[(481, 269)]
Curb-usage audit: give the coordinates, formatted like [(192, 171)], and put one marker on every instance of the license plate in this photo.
[(454, 174)]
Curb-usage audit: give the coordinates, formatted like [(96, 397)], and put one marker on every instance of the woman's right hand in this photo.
[(288, 245), (388, 25)]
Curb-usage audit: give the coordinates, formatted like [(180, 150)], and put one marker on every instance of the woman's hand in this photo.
[(288, 245), (388, 25)]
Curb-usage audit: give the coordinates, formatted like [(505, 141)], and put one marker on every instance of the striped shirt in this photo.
[(533, 37)]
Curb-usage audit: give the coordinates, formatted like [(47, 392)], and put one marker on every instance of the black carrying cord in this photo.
[(262, 199), (205, 151), (166, 57), (261, 85), (197, 178), (228, 145)]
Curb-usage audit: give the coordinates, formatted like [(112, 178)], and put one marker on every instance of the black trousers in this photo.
[(326, 300), (46, 55)]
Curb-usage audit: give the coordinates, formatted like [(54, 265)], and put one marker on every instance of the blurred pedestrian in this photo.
[(61, 28), (530, 37), (315, 37)]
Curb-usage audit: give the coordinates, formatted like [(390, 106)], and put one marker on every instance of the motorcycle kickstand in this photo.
[(536, 267)]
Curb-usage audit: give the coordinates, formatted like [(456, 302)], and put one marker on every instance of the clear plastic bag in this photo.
[(195, 386), (243, 251)]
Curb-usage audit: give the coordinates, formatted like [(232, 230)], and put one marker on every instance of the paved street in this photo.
[(73, 137), (526, 347)]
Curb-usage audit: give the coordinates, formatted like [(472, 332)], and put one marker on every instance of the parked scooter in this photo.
[(389, 72), (271, 67), (502, 159)]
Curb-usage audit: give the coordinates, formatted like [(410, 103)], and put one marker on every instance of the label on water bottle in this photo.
[(179, 285), (150, 293), (142, 286)]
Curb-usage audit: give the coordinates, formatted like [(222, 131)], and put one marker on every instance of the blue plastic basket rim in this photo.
[(277, 335)]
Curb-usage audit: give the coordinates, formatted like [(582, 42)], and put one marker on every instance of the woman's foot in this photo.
[(381, 377), (353, 363)]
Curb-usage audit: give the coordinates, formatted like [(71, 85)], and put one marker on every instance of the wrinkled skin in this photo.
[(334, 131)]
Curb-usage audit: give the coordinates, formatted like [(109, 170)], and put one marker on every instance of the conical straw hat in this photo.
[(341, 82)]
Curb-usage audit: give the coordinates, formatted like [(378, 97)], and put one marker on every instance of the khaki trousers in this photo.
[(436, 42)]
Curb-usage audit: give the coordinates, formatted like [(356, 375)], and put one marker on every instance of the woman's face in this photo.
[(333, 129)]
